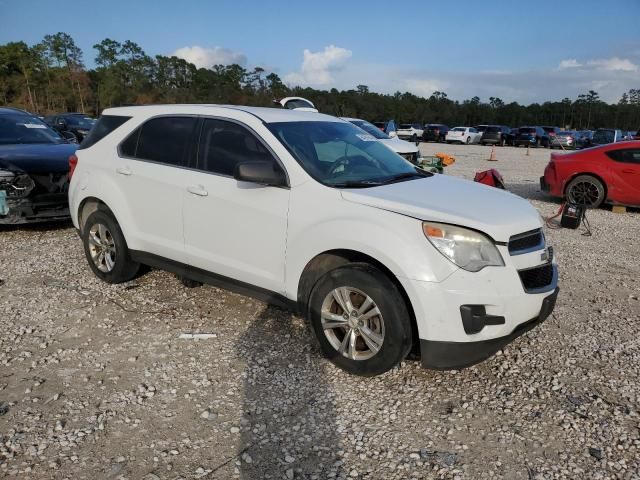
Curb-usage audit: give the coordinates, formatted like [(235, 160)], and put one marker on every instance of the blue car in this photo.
[(34, 167)]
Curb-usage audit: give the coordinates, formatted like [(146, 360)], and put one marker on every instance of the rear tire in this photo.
[(361, 346), (468, 140), (585, 190), (106, 249)]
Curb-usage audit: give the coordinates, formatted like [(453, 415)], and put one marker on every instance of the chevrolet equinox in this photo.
[(311, 213)]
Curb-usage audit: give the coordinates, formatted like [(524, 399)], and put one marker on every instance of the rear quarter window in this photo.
[(103, 127)]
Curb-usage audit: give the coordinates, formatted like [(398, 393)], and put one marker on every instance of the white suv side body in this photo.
[(287, 241)]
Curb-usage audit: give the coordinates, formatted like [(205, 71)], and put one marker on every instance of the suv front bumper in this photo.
[(453, 355)]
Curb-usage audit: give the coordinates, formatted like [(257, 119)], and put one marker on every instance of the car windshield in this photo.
[(80, 122), (492, 129), (19, 129), (604, 136), (459, 129), (341, 155), (371, 129), (405, 126), (527, 130), (434, 127)]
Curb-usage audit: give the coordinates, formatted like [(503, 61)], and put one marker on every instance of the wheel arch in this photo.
[(89, 205), (331, 259)]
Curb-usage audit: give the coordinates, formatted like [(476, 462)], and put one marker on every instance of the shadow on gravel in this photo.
[(38, 227), (530, 191), (288, 424)]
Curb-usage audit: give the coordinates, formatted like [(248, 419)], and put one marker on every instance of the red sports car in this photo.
[(609, 173)]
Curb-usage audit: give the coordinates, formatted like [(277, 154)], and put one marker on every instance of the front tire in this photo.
[(106, 249), (586, 190), (468, 140), (360, 319)]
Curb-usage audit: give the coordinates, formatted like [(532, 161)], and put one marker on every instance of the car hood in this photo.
[(399, 146), (37, 158), (440, 198)]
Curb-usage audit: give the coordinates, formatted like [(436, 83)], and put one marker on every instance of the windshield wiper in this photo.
[(404, 176), (356, 184)]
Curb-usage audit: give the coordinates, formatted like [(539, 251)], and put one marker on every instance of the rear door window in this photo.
[(164, 140), (103, 127)]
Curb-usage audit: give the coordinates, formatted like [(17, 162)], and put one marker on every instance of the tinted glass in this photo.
[(492, 129), (165, 140), (604, 136), (370, 129), (625, 156), (22, 129), (459, 129), (225, 144), (128, 146), (340, 154), (293, 104), (405, 126), (527, 130), (78, 121), (103, 127)]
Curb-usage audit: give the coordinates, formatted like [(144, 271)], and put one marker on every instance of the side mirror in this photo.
[(261, 172)]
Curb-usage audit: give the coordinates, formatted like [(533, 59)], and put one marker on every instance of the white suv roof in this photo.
[(266, 114)]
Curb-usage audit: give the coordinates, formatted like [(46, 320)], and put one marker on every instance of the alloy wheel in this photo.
[(584, 193), (102, 247), (352, 323)]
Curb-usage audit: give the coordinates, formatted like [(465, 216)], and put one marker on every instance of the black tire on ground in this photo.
[(503, 142), (468, 140), (538, 143), (397, 338), (414, 138), (586, 190), (124, 268)]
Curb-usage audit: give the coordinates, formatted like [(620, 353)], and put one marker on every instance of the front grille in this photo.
[(537, 277), (526, 242), (412, 157)]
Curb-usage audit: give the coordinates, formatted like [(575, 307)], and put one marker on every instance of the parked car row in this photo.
[(533, 136)]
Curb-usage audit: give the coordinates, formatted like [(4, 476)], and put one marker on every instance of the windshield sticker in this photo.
[(365, 137), (32, 125)]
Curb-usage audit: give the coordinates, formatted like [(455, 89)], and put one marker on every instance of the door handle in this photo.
[(198, 190), (124, 171)]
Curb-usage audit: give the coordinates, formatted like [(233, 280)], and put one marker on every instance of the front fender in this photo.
[(392, 239)]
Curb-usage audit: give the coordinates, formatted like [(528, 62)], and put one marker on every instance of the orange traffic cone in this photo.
[(493, 158)]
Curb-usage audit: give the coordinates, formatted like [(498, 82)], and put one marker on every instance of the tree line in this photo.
[(51, 77)]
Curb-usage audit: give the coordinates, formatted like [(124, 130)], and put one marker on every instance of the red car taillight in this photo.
[(73, 162)]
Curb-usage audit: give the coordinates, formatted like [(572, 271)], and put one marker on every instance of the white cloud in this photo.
[(423, 87), (569, 63), (613, 64), (207, 57), (318, 67)]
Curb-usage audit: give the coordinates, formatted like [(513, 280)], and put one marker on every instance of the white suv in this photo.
[(309, 212)]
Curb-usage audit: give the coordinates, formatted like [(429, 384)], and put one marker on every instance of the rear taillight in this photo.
[(73, 162)]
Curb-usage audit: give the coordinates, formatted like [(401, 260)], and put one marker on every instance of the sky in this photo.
[(525, 51)]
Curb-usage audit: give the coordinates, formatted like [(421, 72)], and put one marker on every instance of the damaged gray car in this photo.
[(34, 167)]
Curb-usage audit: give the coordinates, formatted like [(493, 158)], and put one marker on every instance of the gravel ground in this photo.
[(96, 383)]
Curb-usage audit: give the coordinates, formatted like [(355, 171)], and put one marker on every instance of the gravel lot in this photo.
[(95, 383)]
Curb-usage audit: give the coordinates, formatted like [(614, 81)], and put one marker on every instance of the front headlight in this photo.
[(466, 248)]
